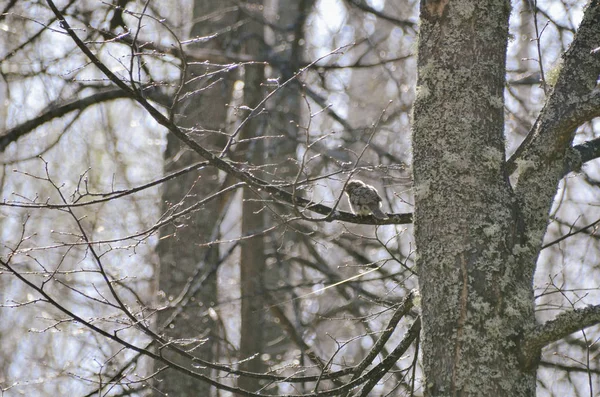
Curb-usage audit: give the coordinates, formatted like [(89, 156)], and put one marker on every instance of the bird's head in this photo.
[(353, 184)]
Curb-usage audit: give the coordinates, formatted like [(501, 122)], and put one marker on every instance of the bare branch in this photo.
[(546, 152), (574, 99), (378, 372), (55, 112), (589, 150), (563, 325), (222, 164), (402, 309), (403, 23), (7, 8)]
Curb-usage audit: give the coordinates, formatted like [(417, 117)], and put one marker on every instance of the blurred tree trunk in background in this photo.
[(183, 257), (253, 255), (286, 124), (288, 99), (262, 267)]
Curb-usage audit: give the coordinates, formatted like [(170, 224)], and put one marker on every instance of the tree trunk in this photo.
[(183, 258), (253, 256), (285, 116), (476, 300)]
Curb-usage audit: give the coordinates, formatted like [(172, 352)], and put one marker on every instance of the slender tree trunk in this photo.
[(476, 299), (253, 256), (183, 258), (285, 117), (263, 268)]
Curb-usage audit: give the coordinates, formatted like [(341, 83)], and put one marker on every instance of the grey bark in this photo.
[(479, 242), (547, 155), (475, 300), (253, 256), (183, 258), (285, 119)]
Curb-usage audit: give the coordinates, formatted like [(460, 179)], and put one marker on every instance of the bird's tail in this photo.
[(377, 213)]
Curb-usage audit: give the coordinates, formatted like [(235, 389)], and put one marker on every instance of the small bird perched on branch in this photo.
[(364, 199)]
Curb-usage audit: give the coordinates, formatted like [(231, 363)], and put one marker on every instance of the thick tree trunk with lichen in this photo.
[(476, 300)]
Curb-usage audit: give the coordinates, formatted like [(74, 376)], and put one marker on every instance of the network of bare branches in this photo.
[(173, 216)]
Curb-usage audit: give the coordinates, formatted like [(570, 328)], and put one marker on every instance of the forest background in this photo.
[(172, 214)]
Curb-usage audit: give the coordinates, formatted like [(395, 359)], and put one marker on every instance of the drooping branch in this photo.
[(55, 112), (114, 336), (104, 197), (292, 332)]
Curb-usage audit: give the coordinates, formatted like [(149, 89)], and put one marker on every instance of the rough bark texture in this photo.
[(475, 300), (182, 257), (547, 154)]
